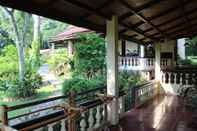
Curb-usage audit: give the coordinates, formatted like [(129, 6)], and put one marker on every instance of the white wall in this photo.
[(131, 46), (169, 46)]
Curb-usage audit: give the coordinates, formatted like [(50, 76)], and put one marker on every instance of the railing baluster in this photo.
[(91, 119), (187, 79), (50, 126), (175, 78), (63, 125), (98, 117), (83, 122), (181, 78)]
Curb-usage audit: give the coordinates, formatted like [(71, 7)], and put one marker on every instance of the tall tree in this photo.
[(35, 54), (19, 35)]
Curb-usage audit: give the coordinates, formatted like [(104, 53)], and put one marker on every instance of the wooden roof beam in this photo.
[(94, 11), (183, 13), (134, 40), (123, 31), (145, 6), (89, 8), (174, 19), (184, 28), (137, 30), (142, 18), (163, 13), (104, 5)]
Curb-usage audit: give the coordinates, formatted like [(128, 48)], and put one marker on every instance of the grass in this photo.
[(42, 93)]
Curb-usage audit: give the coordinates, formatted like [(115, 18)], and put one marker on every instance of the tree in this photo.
[(191, 46), (89, 56), (19, 36), (35, 53)]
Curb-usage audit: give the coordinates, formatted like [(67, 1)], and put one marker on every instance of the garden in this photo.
[(23, 35)]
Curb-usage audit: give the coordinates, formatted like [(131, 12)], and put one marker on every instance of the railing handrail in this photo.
[(37, 102), (84, 107)]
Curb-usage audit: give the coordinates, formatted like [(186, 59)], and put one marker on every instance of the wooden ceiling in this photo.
[(141, 21)]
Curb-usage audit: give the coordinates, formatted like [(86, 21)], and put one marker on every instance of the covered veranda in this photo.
[(141, 21)]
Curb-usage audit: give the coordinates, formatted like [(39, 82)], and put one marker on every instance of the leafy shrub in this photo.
[(81, 84), (59, 57), (8, 60), (9, 81), (127, 79), (185, 62), (26, 88)]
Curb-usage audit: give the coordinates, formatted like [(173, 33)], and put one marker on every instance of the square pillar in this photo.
[(157, 61), (70, 48), (112, 69), (142, 51)]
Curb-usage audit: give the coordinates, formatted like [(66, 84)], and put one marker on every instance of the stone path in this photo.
[(48, 77)]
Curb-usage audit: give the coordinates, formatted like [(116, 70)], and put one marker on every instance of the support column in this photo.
[(142, 51), (70, 48), (112, 69), (52, 48), (157, 61)]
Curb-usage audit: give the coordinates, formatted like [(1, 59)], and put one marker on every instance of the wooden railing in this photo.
[(6, 128), (175, 79), (51, 111), (138, 63), (138, 95), (146, 92), (86, 111)]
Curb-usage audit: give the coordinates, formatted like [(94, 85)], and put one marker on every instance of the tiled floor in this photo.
[(163, 114)]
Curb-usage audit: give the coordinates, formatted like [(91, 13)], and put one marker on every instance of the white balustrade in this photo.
[(172, 81), (137, 63), (51, 126), (93, 118)]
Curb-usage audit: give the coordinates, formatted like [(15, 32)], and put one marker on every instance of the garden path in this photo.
[(48, 77)]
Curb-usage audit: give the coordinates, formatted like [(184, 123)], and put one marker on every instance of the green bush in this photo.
[(59, 57), (9, 81), (26, 88), (127, 79), (185, 62), (81, 84)]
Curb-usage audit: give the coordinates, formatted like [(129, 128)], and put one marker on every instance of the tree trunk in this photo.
[(36, 42), (19, 45)]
